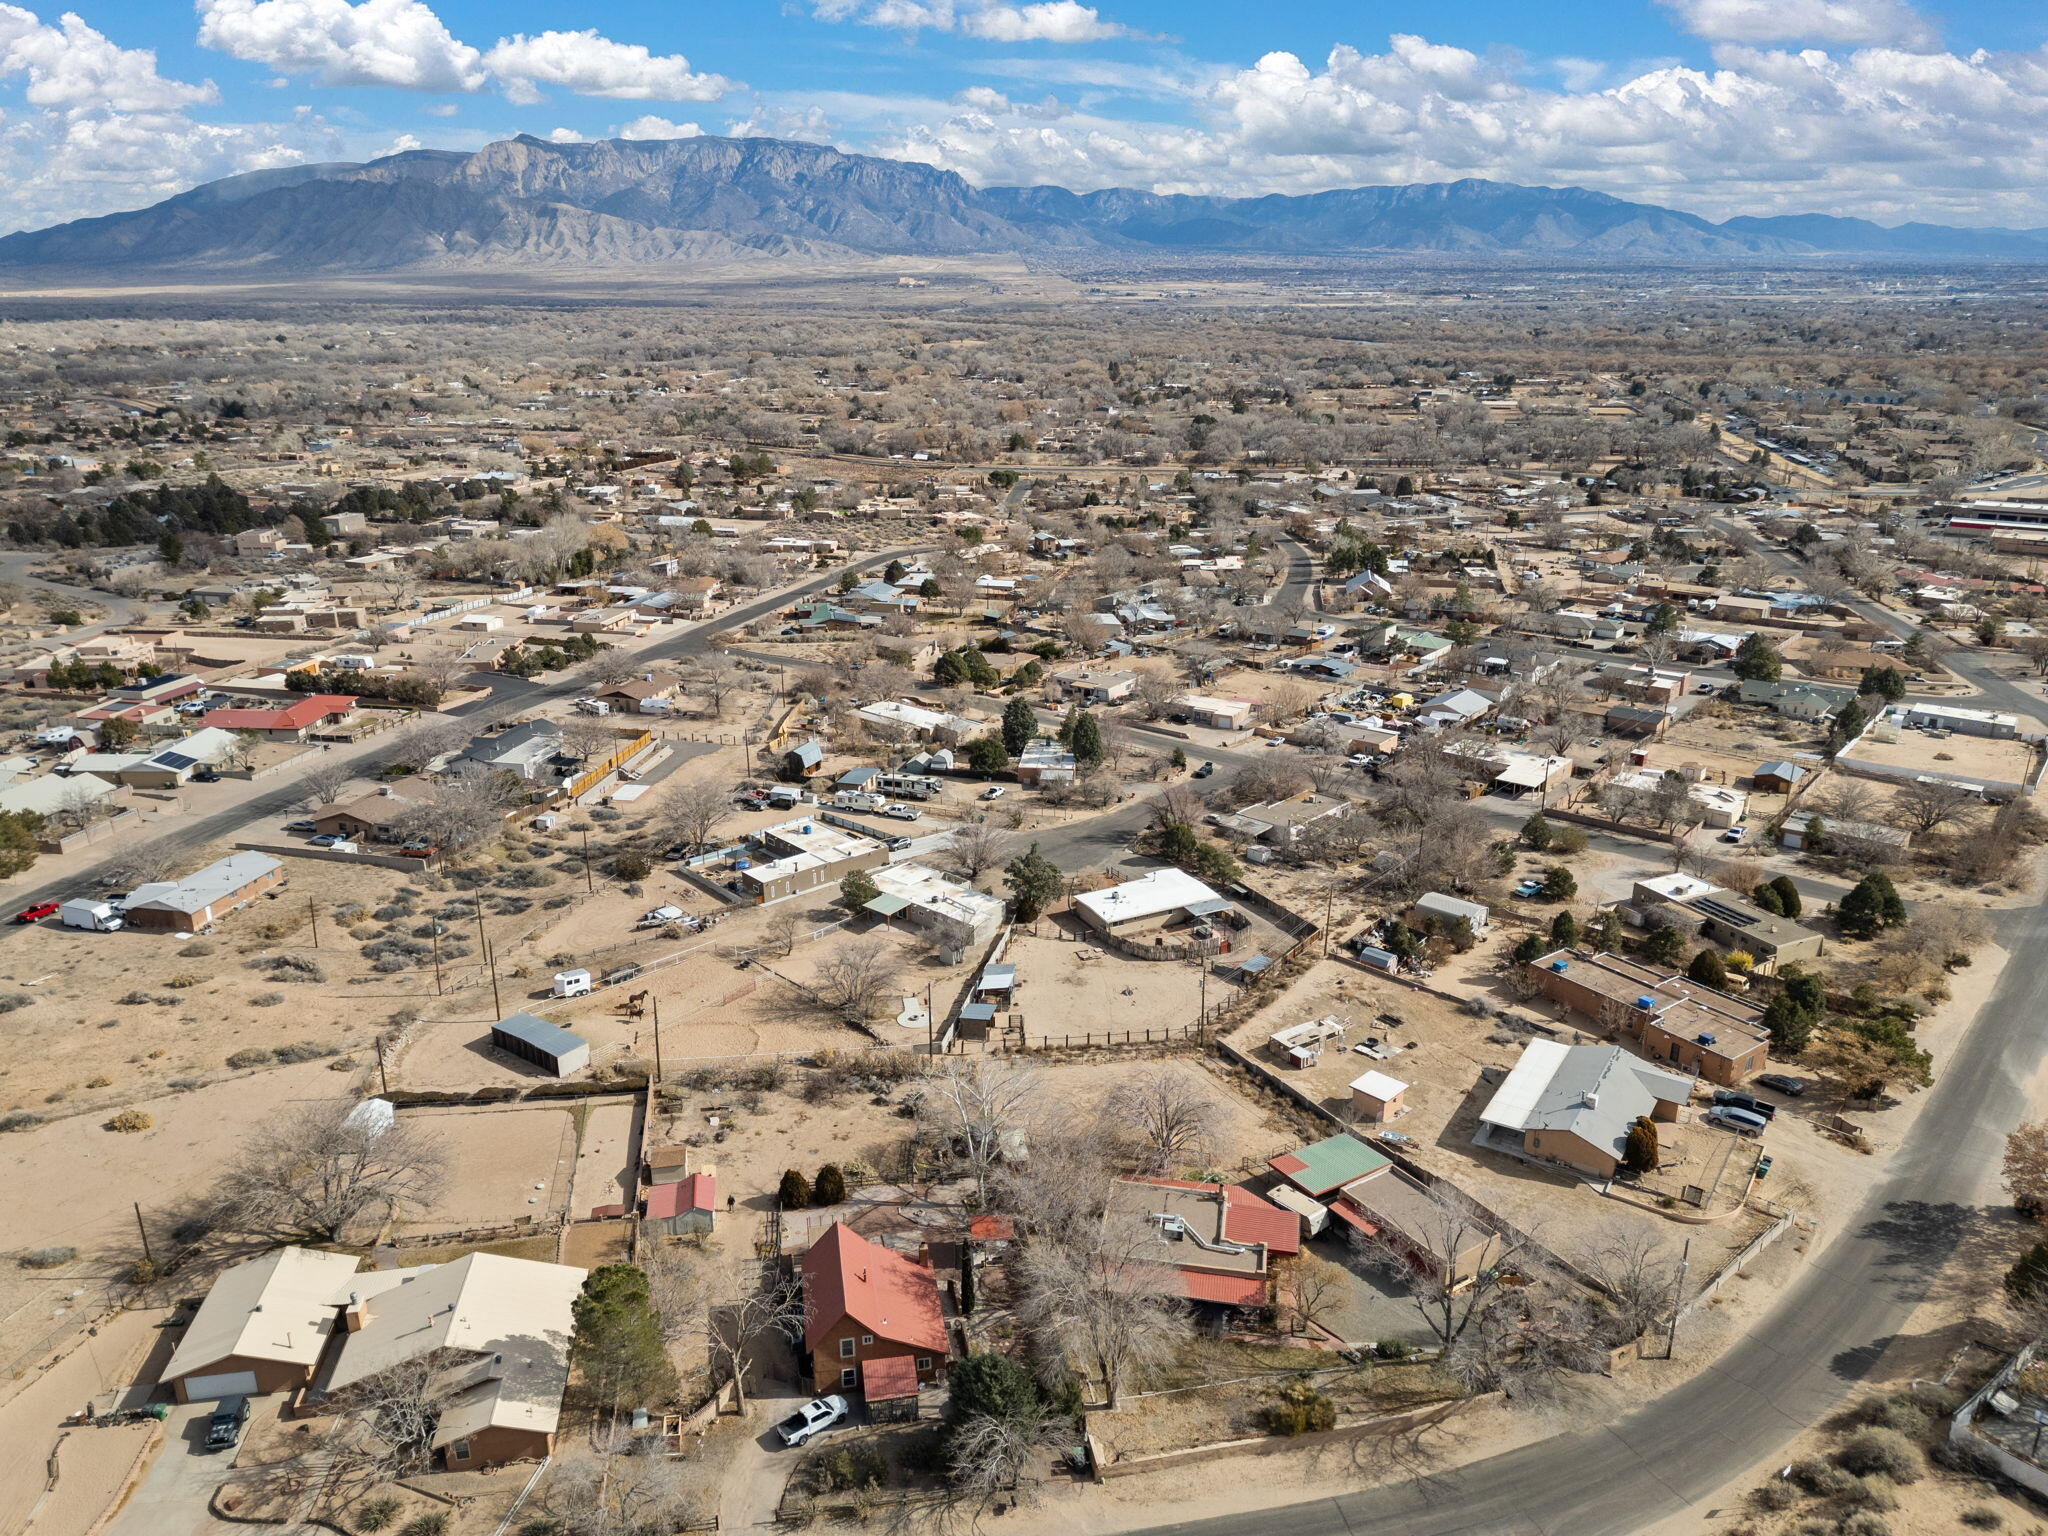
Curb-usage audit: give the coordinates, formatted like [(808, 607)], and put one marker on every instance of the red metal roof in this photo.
[(1249, 1219), (293, 717), (1343, 1210), (696, 1193), (888, 1376), (1229, 1290), (890, 1296)]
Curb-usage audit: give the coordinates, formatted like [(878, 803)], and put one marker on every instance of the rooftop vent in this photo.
[(1558, 965)]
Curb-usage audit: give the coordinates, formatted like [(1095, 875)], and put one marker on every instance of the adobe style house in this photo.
[(866, 1309), (1365, 1191), (1672, 1019), (1207, 1243), (1574, 1104), (495, 1330)]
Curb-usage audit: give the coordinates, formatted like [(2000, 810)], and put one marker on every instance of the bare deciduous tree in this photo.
[(854, 981), (978, 847), (1926, 805), (310, 1174), (321, 785), (636, 1491), (690, 813), (972, 1105), (1098, 1312), (1169, 1117), (784, 929), (1318, 1294)]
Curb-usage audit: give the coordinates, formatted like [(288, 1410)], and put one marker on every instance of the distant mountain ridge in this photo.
[(526, 202)]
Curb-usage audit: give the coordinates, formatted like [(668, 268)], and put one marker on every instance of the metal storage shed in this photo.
[(547, 1046)]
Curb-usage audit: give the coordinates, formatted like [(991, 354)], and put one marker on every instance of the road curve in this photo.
[(1822, 1337)]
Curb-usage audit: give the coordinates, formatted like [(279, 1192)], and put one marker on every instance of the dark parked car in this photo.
[(1728, 1098), (1791, 1087), (1205, 770), (224, 1429)]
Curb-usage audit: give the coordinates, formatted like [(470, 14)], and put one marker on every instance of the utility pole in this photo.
[(383, 1082), (1677, 1295), (313, 912), (491, 964), (436, 936), (931, 1025), (143, 1230), (1329, 900), (657, 1039), (588, 885)]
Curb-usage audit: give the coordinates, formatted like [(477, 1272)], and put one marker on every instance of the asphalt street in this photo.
[(1826, 1333), (509, 696)]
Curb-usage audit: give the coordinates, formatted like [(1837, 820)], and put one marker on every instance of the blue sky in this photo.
[(1879, 108)]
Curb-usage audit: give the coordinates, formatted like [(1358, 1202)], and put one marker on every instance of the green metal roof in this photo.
[(1326, 1165), (885, 905)]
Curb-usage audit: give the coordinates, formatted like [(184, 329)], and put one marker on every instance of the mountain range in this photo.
[(527, 202)]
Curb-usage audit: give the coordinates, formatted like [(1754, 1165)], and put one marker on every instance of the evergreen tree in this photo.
[(617, 1345), (1756, 661), (1536, 832), (1020, 724), (829, 1188), (1085, 739), (893, 572), (857, 890), (1808, 993), (1846, 725), (1788, 896), (1559, 884), (794, 1194), (1890, 908), (1639, 1152), (1564, 930), (987, 754), (1790, 1029), (1664, 945), (1888, 683), (1035, 883), (1766, 896), (1861, 912), (1530, 948), (1708, 969), (991, 1386), (1606, 933), (967, 1297)]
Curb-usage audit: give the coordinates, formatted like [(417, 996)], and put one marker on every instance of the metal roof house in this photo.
[(548, 1046), (204, 897), (1574, 1104)]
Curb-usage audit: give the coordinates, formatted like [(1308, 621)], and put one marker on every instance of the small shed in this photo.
[(1776, 778), (1379, 959), (677, 1210), (889, 1384), (803, 760), (1376, 1097), (548, 1046), (997, 978), (976, 1019)]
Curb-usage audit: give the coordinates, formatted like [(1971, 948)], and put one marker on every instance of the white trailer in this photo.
[(84, 912)]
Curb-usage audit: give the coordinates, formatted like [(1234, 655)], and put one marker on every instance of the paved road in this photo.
[(1825, 1334), (509, 696)]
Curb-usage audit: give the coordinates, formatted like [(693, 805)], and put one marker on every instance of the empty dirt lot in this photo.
[(504, 1164)]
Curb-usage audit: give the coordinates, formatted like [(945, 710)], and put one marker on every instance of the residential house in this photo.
[(1731, 921), (375, 817), (1672, 1019), (804, 855), (495, 1329), (531, 752), (1812, 702), (1641, 720), (204, 897), (1283, 821), (1460, 706), (1091, 685), (1216, 714), (864, 1306), (1210, 1244), (925, 724), (647, 694), (1154, 900), (1045, 761), (166, 767), (957, 916), (1364, 1190), (1574, 1104), (292, 722)]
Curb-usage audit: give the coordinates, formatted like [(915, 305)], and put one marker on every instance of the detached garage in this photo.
[(548, 1046)]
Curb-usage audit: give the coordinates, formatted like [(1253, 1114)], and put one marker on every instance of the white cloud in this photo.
[(441, 109), (1852, 23), (591, 65), (1043, 21), (405, 143), (1879, 132), (652, 127), (397, 43), (404, 44), (565, 136), (810, 125), (70, 67)]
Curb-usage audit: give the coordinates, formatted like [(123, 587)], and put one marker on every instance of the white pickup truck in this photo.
[(814, 1418)]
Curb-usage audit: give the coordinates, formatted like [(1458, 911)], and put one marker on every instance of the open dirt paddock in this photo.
[(74, 1184), (604, 1158), (503, 1164), (1067, 987)]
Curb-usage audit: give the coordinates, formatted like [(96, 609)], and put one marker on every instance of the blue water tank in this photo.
[(1558, 965)]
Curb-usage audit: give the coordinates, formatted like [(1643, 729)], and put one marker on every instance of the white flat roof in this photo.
[(1157, 891), (1379, 1086)]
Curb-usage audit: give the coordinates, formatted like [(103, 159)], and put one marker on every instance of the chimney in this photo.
[(355, 1316)]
